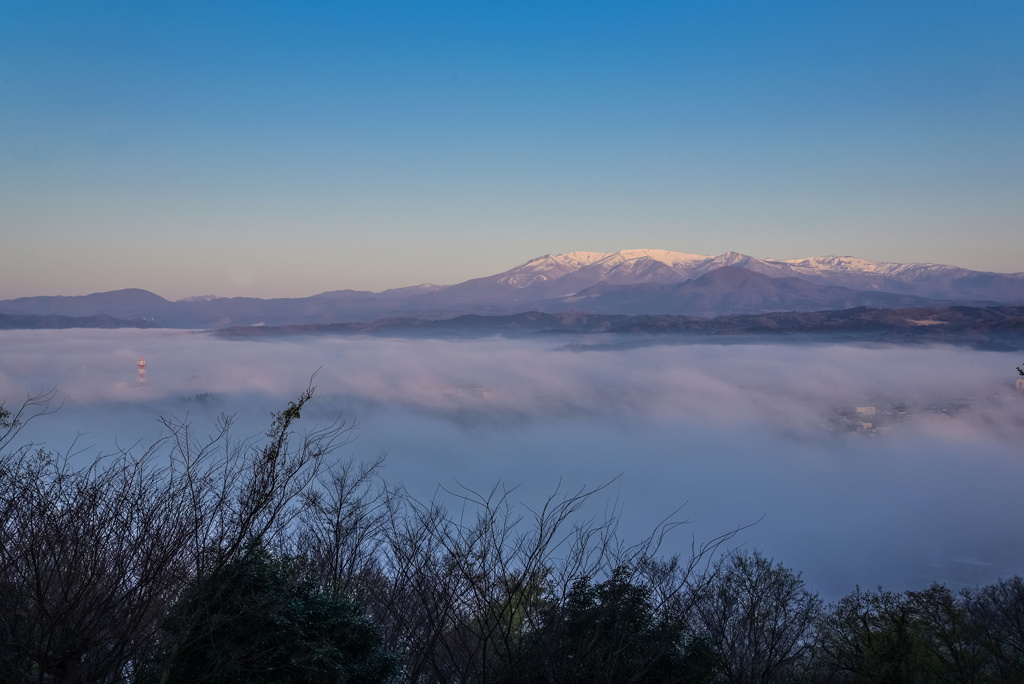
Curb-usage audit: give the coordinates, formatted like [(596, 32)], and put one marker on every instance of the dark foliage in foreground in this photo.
[(210, 560), (267, 621), (611, 631)]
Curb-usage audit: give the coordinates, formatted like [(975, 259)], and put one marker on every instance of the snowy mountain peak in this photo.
[(853, 265), (582, 259), (570, 260), (547, 267), (661, 255), (730, 258), (577, 270), (578, 260), (841, 263)]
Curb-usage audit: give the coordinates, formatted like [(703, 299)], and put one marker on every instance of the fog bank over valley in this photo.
[(864, 464)]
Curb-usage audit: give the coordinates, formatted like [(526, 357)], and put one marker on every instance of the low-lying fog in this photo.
[(927, 487)]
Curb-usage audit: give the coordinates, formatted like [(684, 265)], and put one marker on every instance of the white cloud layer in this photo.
[(738, 431)]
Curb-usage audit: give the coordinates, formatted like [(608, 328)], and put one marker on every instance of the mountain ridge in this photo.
[(633, 281)]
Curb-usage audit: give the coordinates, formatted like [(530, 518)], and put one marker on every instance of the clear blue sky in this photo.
[(288, 148)]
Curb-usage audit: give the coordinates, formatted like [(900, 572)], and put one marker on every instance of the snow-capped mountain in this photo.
[(627, 264), (627, 282), (560, 275), (563, 275)]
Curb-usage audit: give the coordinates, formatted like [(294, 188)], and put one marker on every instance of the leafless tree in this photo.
[(34, 406), (88, 564), (230, 494), (454, 591), (341, 530), (95, 559), (92, 558), (759, 617), (458, 592), (997, 611)]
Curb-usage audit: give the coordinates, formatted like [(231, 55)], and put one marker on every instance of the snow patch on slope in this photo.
[(673, 259)]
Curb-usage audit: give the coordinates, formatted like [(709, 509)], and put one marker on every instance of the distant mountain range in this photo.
[(995, 328), (629, 282)]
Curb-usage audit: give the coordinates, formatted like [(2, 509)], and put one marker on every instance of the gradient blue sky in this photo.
[(285, 149)]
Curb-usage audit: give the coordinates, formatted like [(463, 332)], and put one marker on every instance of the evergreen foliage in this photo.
[(265, 621), (611, 632)]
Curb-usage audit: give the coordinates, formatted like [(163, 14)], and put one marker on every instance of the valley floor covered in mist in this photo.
[(860, 465)]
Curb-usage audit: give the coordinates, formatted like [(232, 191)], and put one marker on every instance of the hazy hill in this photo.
[(53, 321), (992, 328)]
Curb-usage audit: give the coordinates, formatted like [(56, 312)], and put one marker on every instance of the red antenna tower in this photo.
[(142, 372)]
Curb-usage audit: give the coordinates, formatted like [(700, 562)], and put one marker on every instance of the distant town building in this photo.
[(865, 410)]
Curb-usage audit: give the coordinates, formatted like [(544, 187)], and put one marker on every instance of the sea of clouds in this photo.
[(739, 433)]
